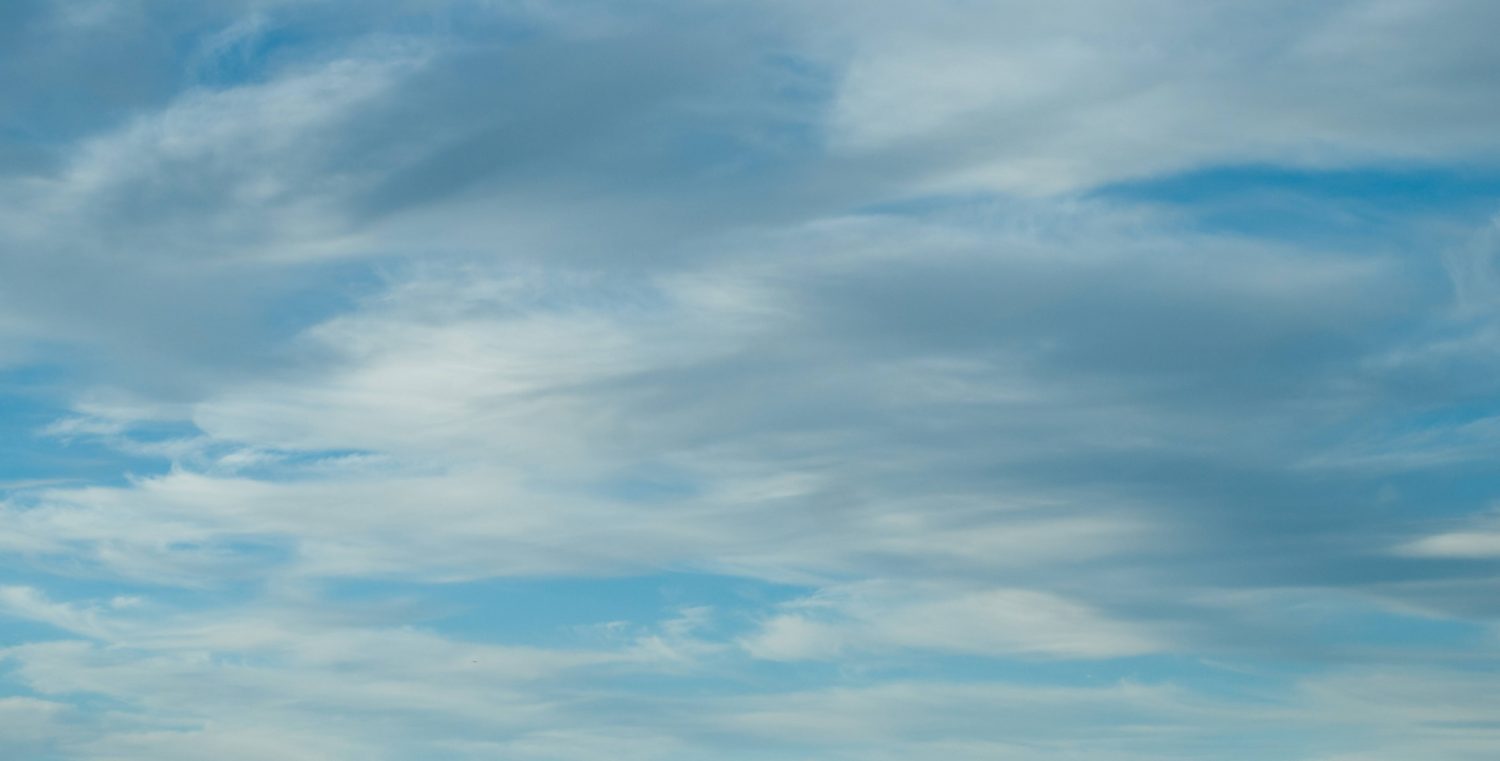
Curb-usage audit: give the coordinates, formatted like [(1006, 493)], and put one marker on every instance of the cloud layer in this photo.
[(825, 380)]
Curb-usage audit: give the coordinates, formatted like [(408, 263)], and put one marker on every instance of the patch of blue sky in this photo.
[(20, 631), (1406, 188), (1380, 209), (578, 611), (1309, 206), (40, 447), (31, 457), (243, 54), (1384, 635)]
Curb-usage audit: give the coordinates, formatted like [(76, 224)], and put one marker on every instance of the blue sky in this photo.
[(807, 381)]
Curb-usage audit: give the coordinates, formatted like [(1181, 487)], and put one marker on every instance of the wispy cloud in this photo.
[(590, 380)]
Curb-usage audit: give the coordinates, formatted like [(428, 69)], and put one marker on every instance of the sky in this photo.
[(788, 380)]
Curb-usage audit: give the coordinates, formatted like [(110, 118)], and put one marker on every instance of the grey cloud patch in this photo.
[(777, 381)]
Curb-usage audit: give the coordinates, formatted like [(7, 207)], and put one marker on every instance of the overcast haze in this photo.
[(804, 380)]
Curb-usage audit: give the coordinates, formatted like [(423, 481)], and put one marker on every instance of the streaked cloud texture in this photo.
[(665, 381)]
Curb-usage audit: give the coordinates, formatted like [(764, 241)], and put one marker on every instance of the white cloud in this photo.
[(1040, 99), (1479, 539), (988, 622), (220, 174)]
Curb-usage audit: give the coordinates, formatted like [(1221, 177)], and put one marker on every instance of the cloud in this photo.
[(1083, 93), (1480, 539), (992, 622), (911, 339)]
